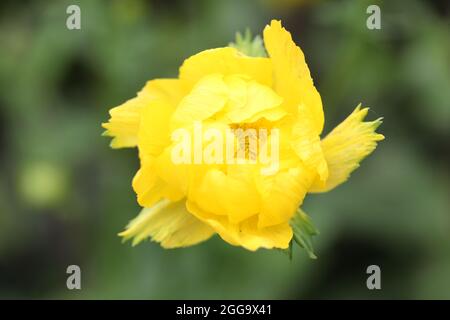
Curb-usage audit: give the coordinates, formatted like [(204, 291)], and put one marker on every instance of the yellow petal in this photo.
[(252, 237), (250, 101), (178, 177), (154, 131), (346, 146), (273, 115), (147, 186), (168, 223), (125, 119), (124, 123), (151, 188), (306, 142), (282, 193), (292, 79), (208, 97), (174, 175), (246, 234), (221, 194), (226, 61)]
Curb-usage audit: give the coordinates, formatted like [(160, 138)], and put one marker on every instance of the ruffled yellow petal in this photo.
[(154, 131), (150, 187), (272, 115), (249, 101), (292, 79), (226, 61), (245, 234), (222, 194), (208, 97), (123, 125), (168, 223), (153, 137), (171, 178), (346, 146), (147, 185), (282, 193), (174, 175), (228, 99), (306, 142)]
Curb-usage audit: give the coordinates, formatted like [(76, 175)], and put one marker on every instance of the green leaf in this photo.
[(252, 47), (304, 230)]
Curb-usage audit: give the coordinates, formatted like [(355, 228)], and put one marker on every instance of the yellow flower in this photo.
[(186, 203)]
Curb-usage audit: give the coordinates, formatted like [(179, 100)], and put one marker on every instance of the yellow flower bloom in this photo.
[(186, 203)]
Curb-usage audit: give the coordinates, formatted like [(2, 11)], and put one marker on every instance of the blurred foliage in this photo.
[(64, 195), (249, 45)]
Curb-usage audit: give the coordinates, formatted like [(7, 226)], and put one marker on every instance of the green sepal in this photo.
[(252, 47), (303, 230), (288, 251)]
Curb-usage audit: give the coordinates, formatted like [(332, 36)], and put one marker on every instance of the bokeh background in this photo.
[(64, 195)]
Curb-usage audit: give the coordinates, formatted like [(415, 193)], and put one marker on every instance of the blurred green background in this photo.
[(64, 195)]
